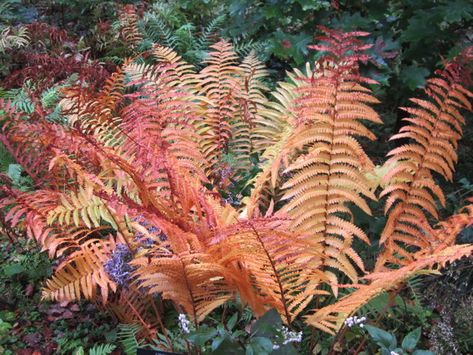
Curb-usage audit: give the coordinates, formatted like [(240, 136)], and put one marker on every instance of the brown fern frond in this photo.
[(434, 128)]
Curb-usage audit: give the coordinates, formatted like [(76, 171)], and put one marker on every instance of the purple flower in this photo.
[(152, 229), (118, 267)]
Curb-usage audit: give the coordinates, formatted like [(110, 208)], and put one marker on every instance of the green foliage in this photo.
[(99, 349), (388, 343), (127, 337), (166, 25)]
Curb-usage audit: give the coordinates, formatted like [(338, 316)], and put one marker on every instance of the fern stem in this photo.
[(276, 274)]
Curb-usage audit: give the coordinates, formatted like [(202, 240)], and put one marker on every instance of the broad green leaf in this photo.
[(410, 340)]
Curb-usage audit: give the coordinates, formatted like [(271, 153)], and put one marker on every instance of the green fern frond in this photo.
[(102, 349), (205, 38), (127, 336)]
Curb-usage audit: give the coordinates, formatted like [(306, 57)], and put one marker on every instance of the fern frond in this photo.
[(329, 173), (11, 38), (129, 25), (157, 28), (183, 71), (82, 275), (274, 126), (218, 83), (127, 337), (274, 264), (102, 349), (331, 318), (434, 128), (190, 279), (251, 102), (205, 38)]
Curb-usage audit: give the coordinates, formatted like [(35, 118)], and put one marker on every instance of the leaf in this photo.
[(423, 352), (266, 325), (216, 343), (381, 337), (410, 340), (414, 76), (232, 321), (262, 343), (13, 269)]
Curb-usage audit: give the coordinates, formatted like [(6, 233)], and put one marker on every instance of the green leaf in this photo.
[(13, 269), (216, 343), (423, 352), (267, 324), (232, 321), (202, 336), (410, 340), (263, 343), (381, 337), (414, 76)]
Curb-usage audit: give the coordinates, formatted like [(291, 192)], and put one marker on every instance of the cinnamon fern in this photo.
[(126, 189), (434, 126)]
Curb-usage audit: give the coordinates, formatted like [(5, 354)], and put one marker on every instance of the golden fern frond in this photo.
[(82, 274), (434, 128), (219, 84), (251, 101), (330, 172), (274, 126), (182, 71), (331, 318)]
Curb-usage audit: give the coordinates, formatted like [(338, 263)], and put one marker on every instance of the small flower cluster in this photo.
[(352, 321), (288, 337), (117, 266), (184, 323), (152, 229), (393, 353)]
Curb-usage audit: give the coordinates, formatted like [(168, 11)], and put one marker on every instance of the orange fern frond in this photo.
[(329, 173), (331, 318), (265, 260), (219, 84), (251, 102), (82, 275), (274, 126), (129, 31), (434, 128)]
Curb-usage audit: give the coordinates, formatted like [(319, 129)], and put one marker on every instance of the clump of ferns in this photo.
[(152, 153)]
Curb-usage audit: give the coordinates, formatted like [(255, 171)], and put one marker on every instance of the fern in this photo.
[(102, 349), (331, 318), (218, 84), (129, 30), (127, 337), (134, 169), (434, 128), (327, 175)]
